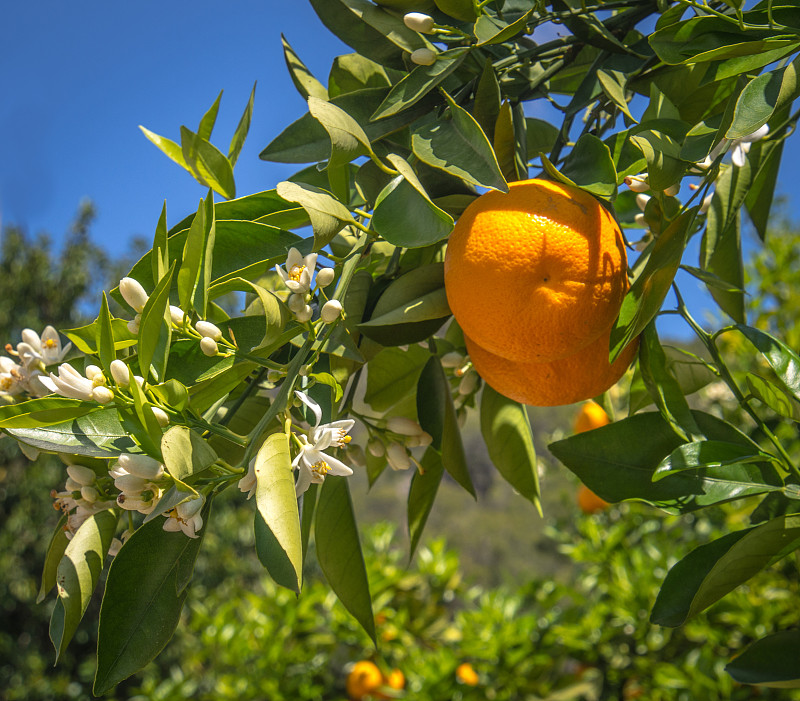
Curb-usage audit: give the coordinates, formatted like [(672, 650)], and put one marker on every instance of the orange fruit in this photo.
[(364, 678), (590, 416), (579, 376), (396, 679), (537, 273), (466, 674), (589, 502)]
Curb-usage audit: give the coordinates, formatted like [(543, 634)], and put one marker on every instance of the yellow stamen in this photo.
[(320, 468), (296, 272), (49, 343)]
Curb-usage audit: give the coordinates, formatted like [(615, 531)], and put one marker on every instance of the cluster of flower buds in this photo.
[(80, 498), (408, 434), (70, 383), (298, 274), (35, 352), (739, 148), (136, 477)]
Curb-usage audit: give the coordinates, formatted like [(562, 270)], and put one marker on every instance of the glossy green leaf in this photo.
[(339, 551), (649, 289), (782, 359), (55, 552), (43, 412), (458, 146), (762, 97), (104, 335), (328, 215), (616, 464), (711, 571), (98, 434), (307, 516), (392, 375), (194, 274), (185, 453), (506, 430), (662, 151), (663, 386), (277, 521), (84, 338), (159, 254), (209, 166), (146, 430), (370, 30), (348, 139), (209, 119), (770, 661), (173, 496), (437, 415), (172, 393), (77, 575), (487, 99), (421, 495), (155, 330), (704, 454), (761, 194), (614, 86), (167, 146), (490, 31), (242, 129), (589, 166), (510, 141), (204, 394), (305, 82), (353, 72), (143, 599), (419, 83), (774, 396)]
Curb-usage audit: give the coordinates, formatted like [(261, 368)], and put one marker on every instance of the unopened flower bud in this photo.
[(642, 200), (453, 359), (397, 457), (419, 22), (640, 220), (274, 376), (468, 383), (133, 325), (325, 277), (208, 330), (133, 293), (376, 448), (89, 494), (72, 485), (673, 190), (296, 302), (331, 311), (176, 315), (82, 475), (423, 439), (94, 373), (140, 465), (304, 370), (304, 314), (102, 394), (706, 203), (120, 373), (403, 426), (161, 416), (637, 183), (209, 346), (423, 57)]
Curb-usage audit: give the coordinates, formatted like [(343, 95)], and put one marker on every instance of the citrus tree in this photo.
[(362, 339)]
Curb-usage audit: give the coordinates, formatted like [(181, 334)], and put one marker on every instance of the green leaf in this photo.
[(458, 146), (774, 396), (242, 128), (713, 570), (370, 30), (761, 194), (105, 335), (277, 521), (506, 430), (77, 575), (489, 31), (328, 215), (209, 166), (204, 394), (172, 393), (194, 275), (663, 386), (614, 85), (782, 359), (419, 83), (159, 254), (704, 454), (487, 99), (307, 516), (185, 453), (97, 434), (348, 140), (590, 167), (421, 495), (616, 464), (209, 119), (649, 289), (437, 415), (155, 330), (510, 141), (762, 97), (167, 146), (353, 72), (55, 552), (45, 411), (177, 493), (339, 551), (662, 151), (305, 82), (143, 599), (392, 376), (770, 661)]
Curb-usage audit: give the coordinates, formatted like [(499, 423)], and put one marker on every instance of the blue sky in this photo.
[(79, 78)]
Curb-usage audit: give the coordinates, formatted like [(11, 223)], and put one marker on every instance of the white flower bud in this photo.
[(133, 293), (325, 277), (82, 475), (102, 394), (161, 416), (468, 383), (119, 371), (131, 503), (421, 440), (208, 330), (90, 494), (376, 448), (139, 380), (94, 373), (423, 57), (304, 314), (209, 346), (140, 465), (453, 359), (419, 22), (640, 219), (397, 457), (637, 183), (176, 315), (706, 203), (72, 486), (673, 190), (130, 484), (331, 311), (403, 426), (133, 325), (296, 302), (642, 200)]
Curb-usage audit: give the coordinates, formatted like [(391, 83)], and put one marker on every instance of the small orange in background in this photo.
[(590, 416), (396, 679), (589, 502), (363, 679), (465, 674)]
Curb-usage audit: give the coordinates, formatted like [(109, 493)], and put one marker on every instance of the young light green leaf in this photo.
[(209, 119), (143, 599), (305, 82), (147, 432), (195, 273), (277, 521), (348, 140), (242, 128), (419, 83), (159, 255), (774, 396), (55, 552), (662, 151), (209, 166), (782, 359), (437, 415), (770, 661), (185, 453), (328, 215), (489, 31), (506, 430), (339, 551), (105, 335), (613, 84), (421, 495), (77, 575), (155, 330), (169, 147)]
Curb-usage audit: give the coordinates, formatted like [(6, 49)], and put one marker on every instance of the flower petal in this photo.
[(311, 404)]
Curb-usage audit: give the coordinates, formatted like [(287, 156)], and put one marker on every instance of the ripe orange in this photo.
[(466, 674), (537, 273), (364, 678), (590, 416), (579, 376), (589, 502)]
